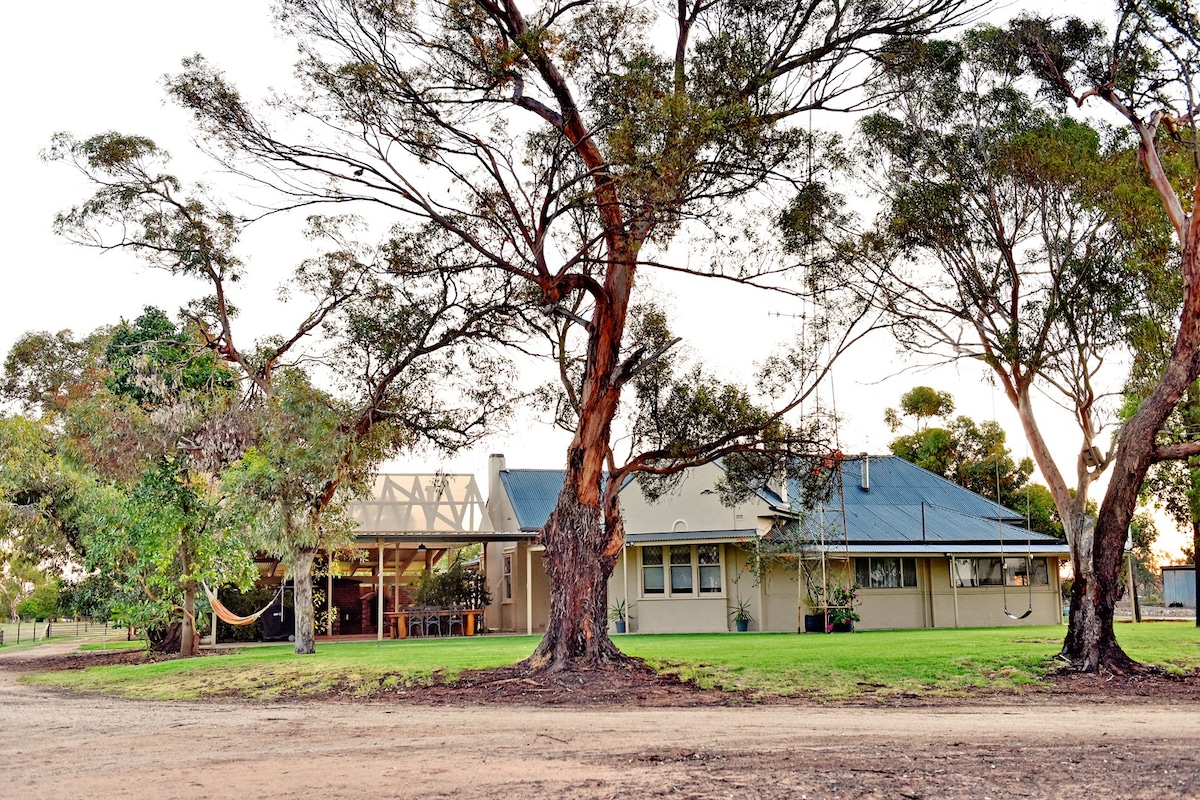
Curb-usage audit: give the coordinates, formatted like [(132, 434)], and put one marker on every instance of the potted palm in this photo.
[(618, 613), (739, 612)]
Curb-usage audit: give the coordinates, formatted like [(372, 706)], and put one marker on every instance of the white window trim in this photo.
[(667, 594), (994, 586)]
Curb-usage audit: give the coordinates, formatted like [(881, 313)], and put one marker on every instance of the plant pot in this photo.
[(814, 623), (620, 623), (743, 625), (842, 627)]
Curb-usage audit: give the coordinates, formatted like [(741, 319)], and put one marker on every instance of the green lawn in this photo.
[(824, 667)]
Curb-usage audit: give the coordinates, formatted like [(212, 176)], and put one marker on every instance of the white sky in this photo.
[(87, 67)]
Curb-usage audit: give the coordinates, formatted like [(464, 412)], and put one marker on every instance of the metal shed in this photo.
[(1179, 585)]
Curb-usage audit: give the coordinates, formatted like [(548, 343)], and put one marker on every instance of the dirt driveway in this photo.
[(55, 745)]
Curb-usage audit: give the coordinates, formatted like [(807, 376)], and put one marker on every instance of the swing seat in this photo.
[(1011, 615)]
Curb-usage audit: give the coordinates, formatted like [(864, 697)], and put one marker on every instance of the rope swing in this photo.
[(1000, 532), (227, 616)]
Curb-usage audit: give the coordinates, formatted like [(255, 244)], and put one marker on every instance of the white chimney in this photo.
[(495, 467), (866, 472)]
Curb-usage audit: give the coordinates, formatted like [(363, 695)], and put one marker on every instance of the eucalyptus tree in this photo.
[(1015, 235), (1145, 70), (408, 346), (564, 145)]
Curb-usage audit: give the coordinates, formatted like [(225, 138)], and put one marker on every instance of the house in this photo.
[(922, 551)]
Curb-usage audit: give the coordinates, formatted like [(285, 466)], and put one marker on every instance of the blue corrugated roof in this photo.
[(533, 494), (890, 512), (891, 509), (878, 523), (896, 482)]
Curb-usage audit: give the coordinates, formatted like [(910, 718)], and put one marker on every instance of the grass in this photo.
[(924, 662), (116, 644), (927, 662)]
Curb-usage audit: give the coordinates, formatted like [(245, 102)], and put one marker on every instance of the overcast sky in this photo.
[(87, 67)]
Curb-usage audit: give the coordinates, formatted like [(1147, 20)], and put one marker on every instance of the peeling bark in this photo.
[(577, 630)]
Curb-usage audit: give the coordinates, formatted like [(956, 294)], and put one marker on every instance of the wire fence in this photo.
[(24, 631)]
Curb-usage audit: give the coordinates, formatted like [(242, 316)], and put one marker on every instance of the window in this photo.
[(686, 569), (652, 571), (885, 573), (1011, 571), (709, 557), (508, 577), (681, 569)]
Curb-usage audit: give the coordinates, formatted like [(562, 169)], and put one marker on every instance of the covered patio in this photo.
[(409, 524)]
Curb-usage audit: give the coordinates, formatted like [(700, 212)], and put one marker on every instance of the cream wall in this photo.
[(689, 506), (692, 614), (777, 604), (983, 606)]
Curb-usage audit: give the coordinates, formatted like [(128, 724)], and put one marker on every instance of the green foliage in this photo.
[(44, 499), (456, 585), (153, 363), (839, 604), (922, 403), (43, 603), (45, 372), (291, 487), (618, 611), (739, 610)]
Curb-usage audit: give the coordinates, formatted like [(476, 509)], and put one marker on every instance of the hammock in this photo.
[(228, 616)]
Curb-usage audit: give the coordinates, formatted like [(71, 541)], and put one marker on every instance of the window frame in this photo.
[(1008, 579), (506, 572), (666, 567), (904, 563)]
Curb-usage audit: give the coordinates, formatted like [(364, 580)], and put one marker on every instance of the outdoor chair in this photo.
[(433, 621), (456, 617), (416, 621)]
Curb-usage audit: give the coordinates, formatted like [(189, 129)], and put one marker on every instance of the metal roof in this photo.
[(912, 523), (739, 535), (905, 506), (918, 549), (895, 482), (533, 494)]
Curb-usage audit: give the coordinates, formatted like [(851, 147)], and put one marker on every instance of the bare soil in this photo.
[(588, 735)]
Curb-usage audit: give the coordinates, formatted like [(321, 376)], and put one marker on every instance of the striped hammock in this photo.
[(227, 616)]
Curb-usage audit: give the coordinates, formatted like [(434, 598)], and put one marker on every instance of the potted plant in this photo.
[(617, 613), (840, 614), (739, 612)]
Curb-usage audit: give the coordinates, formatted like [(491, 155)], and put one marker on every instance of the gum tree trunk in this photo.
[(584, 534), (1091, 644), (578, 566), (306, 643), (189, 643)]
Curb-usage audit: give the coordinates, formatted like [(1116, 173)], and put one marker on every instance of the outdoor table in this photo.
[(399, 619)]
